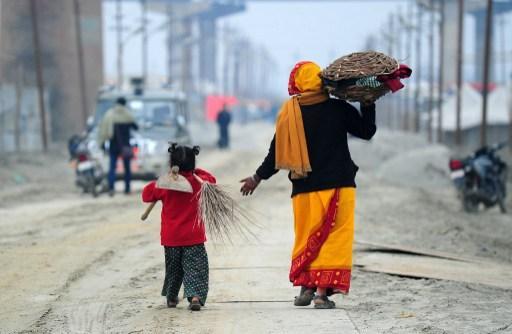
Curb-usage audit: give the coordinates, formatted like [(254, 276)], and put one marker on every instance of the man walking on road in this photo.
[(115, 128), (223, 120)]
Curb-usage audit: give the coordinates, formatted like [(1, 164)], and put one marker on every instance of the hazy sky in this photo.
[(313, 30), (319, 31), (291, 31)]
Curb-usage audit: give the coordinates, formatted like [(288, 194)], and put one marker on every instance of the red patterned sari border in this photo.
[(337, 280), (315, 240)]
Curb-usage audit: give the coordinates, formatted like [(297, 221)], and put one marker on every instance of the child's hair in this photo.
[(183, 156)]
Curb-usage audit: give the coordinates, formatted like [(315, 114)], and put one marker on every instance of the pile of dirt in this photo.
[(384, 146), (425, 167), (34, 175), (403, 159)]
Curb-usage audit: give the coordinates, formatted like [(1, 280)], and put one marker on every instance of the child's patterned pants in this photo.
[(187, 265)]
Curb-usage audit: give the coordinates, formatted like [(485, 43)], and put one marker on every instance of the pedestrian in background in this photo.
[(223, 120), (311, 142), (115, 128)]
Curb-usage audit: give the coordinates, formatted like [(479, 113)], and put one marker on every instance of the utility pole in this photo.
[(119, 38), (266, 64), (226, 59), (419, 33), (187, 79), (408, 36), (144, 7), (236, 69), (510, 125), (39, 73), (243, 61), (2, 115), (503, 48), (440, 78), (391, 50), (431, 71), (19, 98), (460, 60), (81, 67), (399, 55), (487, 61)]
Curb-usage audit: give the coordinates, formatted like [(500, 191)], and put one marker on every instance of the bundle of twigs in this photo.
[(340, 76), (360, 64), (222, 216)]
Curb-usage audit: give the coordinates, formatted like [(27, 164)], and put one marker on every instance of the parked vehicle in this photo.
[(90, 176), (481, 178), (161, 115)]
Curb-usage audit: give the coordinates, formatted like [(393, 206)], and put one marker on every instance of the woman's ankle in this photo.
[(321, 291)]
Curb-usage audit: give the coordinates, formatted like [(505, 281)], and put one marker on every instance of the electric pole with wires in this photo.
[(487, 62), (39, 72), (460, 60), (440, 88)]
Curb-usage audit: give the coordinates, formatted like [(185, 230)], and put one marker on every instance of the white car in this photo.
[(162, 117)]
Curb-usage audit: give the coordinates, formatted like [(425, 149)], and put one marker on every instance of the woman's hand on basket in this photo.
[(250, 184), (366, 102)]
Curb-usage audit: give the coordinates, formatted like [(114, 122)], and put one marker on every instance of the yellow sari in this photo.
[(324, 233)]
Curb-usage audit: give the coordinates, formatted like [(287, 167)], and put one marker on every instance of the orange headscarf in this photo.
[(291, 148)]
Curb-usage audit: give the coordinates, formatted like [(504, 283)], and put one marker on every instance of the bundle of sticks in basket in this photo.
[(364, 76)]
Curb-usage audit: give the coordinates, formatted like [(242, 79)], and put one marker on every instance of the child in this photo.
[(182, 236)]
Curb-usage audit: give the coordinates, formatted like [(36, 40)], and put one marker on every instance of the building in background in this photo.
[(70, 80)]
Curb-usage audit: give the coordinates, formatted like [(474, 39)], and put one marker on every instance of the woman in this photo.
[(311, 142)]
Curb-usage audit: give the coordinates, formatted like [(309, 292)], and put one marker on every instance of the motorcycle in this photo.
[(481, 178), (90, 176)]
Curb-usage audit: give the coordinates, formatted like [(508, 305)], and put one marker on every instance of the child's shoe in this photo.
[(172, 303), (195, 305)]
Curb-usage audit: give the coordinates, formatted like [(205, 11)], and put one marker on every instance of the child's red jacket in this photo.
[(179, 211)]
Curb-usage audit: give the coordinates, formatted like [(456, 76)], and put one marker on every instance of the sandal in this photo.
[(172, 302), (305, 297), (195, 305), (322, 302)]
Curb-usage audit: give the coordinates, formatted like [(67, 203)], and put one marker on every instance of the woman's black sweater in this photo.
[(326, 126)]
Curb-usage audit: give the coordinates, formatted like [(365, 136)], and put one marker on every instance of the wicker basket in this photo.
[(354, 66), (359, 94)]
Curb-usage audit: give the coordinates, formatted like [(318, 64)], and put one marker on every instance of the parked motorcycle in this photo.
[(90, 176), (481, 178)]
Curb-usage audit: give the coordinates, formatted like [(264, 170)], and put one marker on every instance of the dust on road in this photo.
[(73, 264)]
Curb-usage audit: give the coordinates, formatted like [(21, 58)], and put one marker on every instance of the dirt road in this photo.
[(73, 264)]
